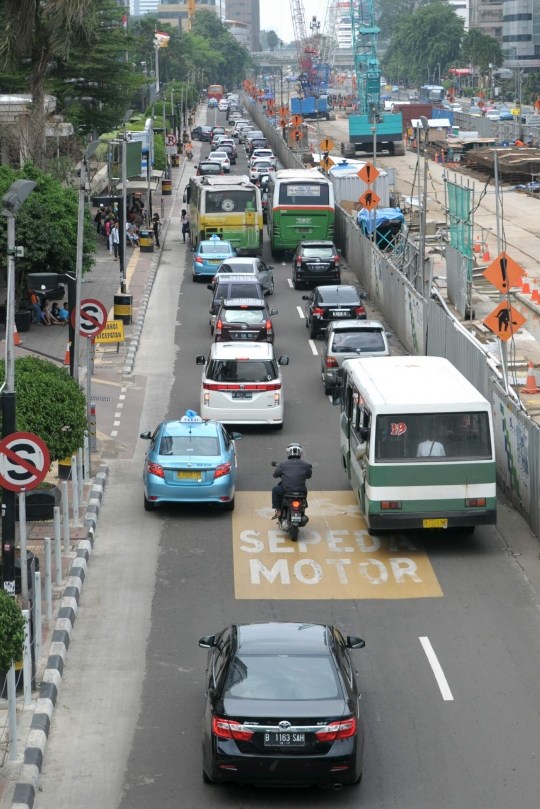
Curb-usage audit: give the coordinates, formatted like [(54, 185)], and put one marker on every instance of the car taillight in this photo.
[(387, 505), (299, 261), (331, 362), (475, 502), (269, 327), (155, 469), (318, 311), (359, 311), (336, 259), (222, 469), (226, 729), (219, 326), (337, 730), (198, 260)]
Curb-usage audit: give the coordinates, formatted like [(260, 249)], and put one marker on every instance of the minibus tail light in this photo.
[(390, 505), (475, 502)]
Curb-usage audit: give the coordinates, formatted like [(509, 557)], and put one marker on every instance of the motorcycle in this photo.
[(189, 154), (292, 516)]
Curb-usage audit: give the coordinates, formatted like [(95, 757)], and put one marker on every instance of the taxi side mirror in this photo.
[(147, 435), (274, 312), (355, 643), (305, 297), (236, 436), (201, 360)]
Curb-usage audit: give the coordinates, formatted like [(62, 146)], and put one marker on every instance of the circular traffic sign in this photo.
[(170, 139), (93, 318), (24, 461)]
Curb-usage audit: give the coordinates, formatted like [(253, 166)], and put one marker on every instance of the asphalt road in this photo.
[(462, 737)]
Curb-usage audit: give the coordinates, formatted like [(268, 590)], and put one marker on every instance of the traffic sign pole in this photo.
[(8, 502)]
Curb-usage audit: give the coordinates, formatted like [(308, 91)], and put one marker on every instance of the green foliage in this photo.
[(480, 49), (46, 226), (50, 404), (160, 158), (530, 90), (235, 59), (421, 41), (11, 632), (272, 40), (390, 12)]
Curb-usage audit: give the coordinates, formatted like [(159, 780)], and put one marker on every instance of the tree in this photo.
[(11, 632), (480, 49), (272, 40), (389, 13), (41, 31), (235, 59), (421, 41), (46, 226), (51, 404)]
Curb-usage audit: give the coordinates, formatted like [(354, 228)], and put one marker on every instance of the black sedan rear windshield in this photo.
[(339, 295), (318, 252), (287, 677), (361, 340), (189, 445), (242, 370)]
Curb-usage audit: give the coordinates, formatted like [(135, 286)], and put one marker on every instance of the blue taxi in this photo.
[(191, 460), (209, 255)]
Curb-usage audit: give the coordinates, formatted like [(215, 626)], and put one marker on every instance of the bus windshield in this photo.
[(432, 437), (230, 201), (307, 193)]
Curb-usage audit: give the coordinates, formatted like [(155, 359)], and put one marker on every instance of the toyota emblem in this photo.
[(244, 326), (284, 725)]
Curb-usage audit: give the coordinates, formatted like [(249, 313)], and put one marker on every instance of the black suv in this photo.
[(332, 303), (316, 262), (203, 133)]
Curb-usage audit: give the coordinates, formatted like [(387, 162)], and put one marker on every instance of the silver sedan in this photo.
[(248, 266)]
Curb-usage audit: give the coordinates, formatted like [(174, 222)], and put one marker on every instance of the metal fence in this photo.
[(501, 131), (458, 278), (275, 139)]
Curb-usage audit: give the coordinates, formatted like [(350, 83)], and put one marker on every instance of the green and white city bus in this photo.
[(417, 444), (300, 208)]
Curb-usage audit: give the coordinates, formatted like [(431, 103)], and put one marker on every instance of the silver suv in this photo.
[(346, 340)]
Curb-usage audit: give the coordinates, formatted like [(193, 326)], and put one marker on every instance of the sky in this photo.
[(276, 16)]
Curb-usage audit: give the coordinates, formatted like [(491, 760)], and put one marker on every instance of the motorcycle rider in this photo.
[(293, 473), (189, 150)]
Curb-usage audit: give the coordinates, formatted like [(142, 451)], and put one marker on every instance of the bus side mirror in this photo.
[(336, 395), (364, 433)]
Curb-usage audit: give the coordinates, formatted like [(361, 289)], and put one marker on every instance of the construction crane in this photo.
[(314, 73), (327, 55), (371, 125)]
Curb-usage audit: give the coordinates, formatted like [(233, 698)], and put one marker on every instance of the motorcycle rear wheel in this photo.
[(294, 533)]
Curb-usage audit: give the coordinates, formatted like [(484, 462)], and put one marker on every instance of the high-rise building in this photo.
[(174, 12), (241, 31), (521, 34), (487, 17), (344, 26), (461, 7), (140, 7), (247, 11)]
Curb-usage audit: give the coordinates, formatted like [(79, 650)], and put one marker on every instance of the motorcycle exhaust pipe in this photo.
[(337, 787)]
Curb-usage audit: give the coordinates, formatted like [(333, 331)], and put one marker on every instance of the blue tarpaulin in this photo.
[(383, 215)]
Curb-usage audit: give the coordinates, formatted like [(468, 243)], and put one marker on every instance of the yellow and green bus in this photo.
[(300, 208), (416, 444), (230, 207)]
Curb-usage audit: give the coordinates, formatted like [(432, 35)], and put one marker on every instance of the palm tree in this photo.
[(34, 33)]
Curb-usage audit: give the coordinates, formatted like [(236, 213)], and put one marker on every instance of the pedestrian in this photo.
[(108, 237), (115, 237), (156, 227), (47, 317), (34, 305), (143, 214), (64, 313), (97, 219), (184, 219)]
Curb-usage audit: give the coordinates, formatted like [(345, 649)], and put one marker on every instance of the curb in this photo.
[(27, 785), (139, 323)]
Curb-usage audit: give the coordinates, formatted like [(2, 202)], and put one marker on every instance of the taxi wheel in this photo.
[(229, 506), (195, 278), (148, 506)]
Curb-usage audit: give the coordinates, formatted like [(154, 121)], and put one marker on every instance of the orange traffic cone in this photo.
[(526, 289), (485, 256), (531, 385), (535, 295), (477, 245), (519, 284), (66, 358), (16, 340)]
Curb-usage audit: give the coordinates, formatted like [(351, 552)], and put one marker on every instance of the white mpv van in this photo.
[(242, 384)]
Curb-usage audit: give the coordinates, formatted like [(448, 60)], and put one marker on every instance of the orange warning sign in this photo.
[(296, 120), (326, 144), (503, 273), (369, 200), (283, 110), (283, 123), (504, 321), (368, 173)]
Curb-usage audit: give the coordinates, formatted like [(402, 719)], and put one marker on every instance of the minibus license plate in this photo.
[(242, 394), (442, 523), (284, 739)]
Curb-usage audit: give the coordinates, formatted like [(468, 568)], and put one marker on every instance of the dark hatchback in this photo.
[(282, 707), (231, 287), (244, 320), (203, 133), (316, 262), (329, 303), (256, 143), (209, 167)]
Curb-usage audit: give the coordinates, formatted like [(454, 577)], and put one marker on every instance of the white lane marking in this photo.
[(121, 397), (114, 433), (330, 399), (299, 310), (120, 405), (290, 282), (437, 669), (123, 390), (313, 347), (283, 264), (117, 415), (116, 424)]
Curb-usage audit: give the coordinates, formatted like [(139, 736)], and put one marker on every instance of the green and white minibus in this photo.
[(300, 208), (417, 444)]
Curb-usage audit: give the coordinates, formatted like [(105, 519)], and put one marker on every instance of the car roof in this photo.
[(215, 241), (336, 325), (317, 243), (244, 350), (242, 260), (336, 288), (278, 637), (251, 303), (235, 277)]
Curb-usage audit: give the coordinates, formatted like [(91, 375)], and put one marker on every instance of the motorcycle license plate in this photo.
[(284, 739)]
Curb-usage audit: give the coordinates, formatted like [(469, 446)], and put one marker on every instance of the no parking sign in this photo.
[(24, 461)]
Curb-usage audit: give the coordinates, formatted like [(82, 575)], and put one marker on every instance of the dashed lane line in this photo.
[(437, 669), (313, 347), (290, 282), (299, 310)]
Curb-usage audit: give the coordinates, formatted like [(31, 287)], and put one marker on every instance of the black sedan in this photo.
[(316, 262), (203, 133), (332, 303), (282, 706)]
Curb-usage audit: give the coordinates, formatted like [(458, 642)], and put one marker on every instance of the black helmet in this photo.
[(294, 450)]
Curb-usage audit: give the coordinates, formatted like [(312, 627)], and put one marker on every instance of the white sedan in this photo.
[(222, 158), (259, 168)]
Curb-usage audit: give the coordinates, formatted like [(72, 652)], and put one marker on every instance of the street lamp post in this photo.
[(11, 202), (122, 236), (422, 246)]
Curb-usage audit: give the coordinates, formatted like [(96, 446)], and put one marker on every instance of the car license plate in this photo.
[(242, 394), (440, 523), (284, 739), (245, 335), (188, 475), (214, 261), (339, 314)]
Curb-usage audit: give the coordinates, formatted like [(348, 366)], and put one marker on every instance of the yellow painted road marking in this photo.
[(334, 558)]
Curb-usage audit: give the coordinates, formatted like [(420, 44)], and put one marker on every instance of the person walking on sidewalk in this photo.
[(156, 227), (108, 234), (184, 219), (115, 236), (98, 220)]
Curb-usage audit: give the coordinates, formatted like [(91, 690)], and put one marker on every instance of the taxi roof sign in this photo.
[(191, 417)]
